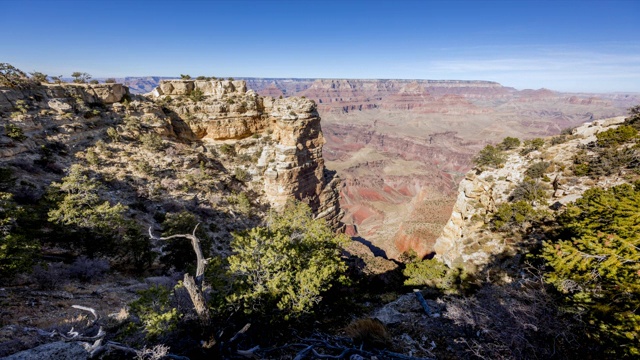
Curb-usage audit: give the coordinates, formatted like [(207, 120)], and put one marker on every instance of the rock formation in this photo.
[(57, 94), (435, 125), (282, 136), (293, 166), (466, 241)]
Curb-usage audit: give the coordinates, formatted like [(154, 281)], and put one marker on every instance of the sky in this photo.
[(576, 46)]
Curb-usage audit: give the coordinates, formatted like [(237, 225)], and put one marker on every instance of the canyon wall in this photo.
[(468, 241), (402, 146)]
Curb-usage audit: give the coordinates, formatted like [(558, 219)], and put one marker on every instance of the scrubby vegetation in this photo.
[(570, 273), (614, 149), (229, 277), (285, 266), (434, 274), (17, 249), (490, 156), (595, 264), (532, 145), (509, 143), (12, 77)]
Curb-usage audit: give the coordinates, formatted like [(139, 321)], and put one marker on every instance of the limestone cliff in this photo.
[(290, 166), (467, 240)]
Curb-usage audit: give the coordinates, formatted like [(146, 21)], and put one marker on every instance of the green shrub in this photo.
[(14, 132), (538, 169), (152, 141), (154, 310), (144, 167), (113, 134), (530, 190), (80, 77), (286, 265), (510, 216), (78, 208), (489, 157), (532, 145), (228, 149), (12, 77), (634, 117), (92, 157), (39, 77), (509, 143), (92, 113), (580, 169), (434, 274), (606, 161), (567, 131), (242, 201), (17, 251), (617, 136), (595, 263), (136, 248), (22, 106), (196, 95), (241, 174), (178, 252), (560, 139)]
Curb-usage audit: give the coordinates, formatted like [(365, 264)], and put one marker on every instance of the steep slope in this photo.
[(470, 240), (422, 135)]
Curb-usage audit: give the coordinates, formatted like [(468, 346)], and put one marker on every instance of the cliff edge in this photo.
[(471, 239)]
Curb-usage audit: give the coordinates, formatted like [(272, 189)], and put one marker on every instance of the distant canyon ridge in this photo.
[(402, 146)]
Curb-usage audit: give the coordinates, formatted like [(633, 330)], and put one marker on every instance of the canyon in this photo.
[(402, 146)]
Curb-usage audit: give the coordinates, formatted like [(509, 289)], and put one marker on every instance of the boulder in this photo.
[(58, 350)]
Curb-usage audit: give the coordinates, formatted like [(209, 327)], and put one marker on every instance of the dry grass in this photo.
[(369, 332)]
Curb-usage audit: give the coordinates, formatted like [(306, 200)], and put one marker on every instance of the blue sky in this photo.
[(590, 46)]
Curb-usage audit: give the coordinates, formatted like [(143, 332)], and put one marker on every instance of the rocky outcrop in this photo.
[(291, 166), (58, 350), (64, 113), (466, 240), (59, 93), (215, 88)]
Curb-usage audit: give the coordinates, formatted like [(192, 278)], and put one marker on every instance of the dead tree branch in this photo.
[(423, 302), (193, 285)]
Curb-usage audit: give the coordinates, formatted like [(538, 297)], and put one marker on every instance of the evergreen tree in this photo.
[(79, 206), (287, 264), (17, 251), (597, 263), (509, 143), (490, 156)]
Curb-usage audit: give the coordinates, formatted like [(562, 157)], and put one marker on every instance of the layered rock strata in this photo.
[(292, 166)]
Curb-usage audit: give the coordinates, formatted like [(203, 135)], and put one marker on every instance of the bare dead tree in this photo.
[(193, 285)]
